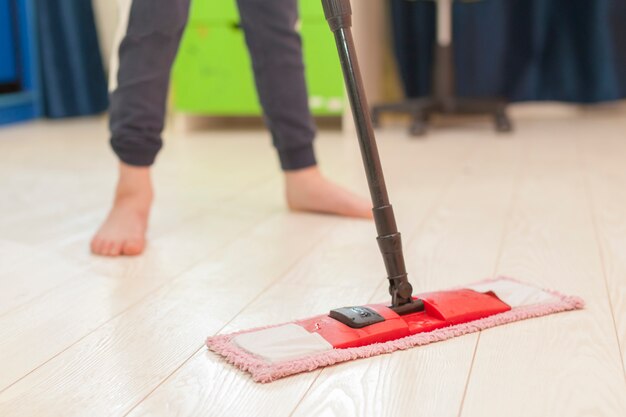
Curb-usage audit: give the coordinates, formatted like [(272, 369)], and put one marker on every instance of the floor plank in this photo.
[(605, 176), (20, 281), (565, 364)]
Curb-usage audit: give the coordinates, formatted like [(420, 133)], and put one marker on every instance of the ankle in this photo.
[(303, 174), (134, 183)]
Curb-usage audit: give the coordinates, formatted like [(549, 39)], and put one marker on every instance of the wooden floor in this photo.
[(88, 336)]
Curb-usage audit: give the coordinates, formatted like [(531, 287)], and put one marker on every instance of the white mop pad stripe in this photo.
[(513, 293), (282, 343)]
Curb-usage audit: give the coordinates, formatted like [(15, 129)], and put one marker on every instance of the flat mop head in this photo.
[(349, 333)]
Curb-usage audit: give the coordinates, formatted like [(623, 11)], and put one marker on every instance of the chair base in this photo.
[(420, 110)]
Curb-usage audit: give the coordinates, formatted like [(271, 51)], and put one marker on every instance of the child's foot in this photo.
[(308, 190), (123, 232)]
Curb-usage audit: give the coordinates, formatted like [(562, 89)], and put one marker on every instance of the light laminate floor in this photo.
[(88, 336)]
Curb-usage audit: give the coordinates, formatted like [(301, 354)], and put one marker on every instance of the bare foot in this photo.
[(123, 231), (308, 190)]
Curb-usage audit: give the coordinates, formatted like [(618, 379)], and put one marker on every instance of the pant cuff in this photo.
[(130, 154), (297, 158)]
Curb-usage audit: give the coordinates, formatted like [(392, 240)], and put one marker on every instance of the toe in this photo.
[(359, 207), (364, 214), (105, 248), (93, 245), (133, 247), (363, 211), (115, 249), (96, 245)]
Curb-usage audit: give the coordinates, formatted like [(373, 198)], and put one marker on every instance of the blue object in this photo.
[(8, 51), (562, 50), (21, 64), (73, 80)]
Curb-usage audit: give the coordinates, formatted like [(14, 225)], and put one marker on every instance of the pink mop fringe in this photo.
[(263, 371)]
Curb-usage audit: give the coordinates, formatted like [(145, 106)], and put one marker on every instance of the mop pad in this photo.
[(274, 352)]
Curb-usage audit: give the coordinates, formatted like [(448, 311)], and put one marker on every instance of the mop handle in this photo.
[(339, 16)]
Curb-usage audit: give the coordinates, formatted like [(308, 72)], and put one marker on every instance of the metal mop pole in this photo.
[(339, 16)]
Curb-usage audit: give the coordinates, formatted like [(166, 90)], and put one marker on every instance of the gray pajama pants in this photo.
[(149, 34)]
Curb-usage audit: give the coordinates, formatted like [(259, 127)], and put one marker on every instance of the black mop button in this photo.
[(356, 317)]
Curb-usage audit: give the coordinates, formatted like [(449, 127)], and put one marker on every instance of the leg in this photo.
[(276, 53), (418, 124), (149, 34), (502, 120)]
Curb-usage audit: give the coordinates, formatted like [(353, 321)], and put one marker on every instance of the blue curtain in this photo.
[(73, 80), (9, 77), (563, 50)]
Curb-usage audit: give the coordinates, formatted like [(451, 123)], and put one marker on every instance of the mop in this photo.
[(349, 333)]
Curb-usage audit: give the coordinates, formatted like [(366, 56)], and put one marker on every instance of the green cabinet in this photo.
[(213, 73)]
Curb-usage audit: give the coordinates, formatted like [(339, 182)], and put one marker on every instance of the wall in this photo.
[(106, 19)]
